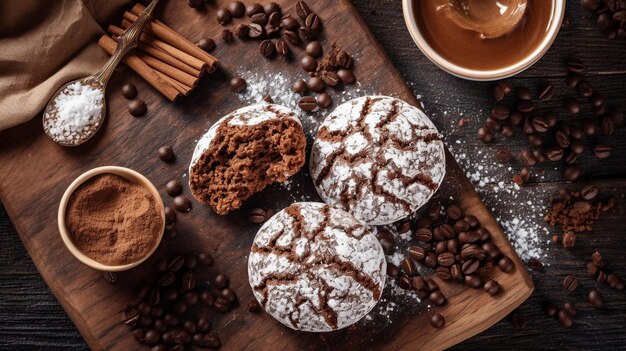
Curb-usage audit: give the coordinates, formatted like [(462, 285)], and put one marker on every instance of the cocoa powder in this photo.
[(112, 220)]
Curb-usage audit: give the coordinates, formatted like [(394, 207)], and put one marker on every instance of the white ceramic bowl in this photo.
[(408, 7), (129, 174)]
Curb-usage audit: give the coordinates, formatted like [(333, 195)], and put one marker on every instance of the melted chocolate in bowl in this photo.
[(469, 48)]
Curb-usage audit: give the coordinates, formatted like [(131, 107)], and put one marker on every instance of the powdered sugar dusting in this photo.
[(307, 266), (383, 151)]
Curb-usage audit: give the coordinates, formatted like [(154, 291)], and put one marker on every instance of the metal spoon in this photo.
[(490, 18), (94, 84)]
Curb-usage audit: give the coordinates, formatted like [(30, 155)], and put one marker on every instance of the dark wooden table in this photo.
[(30, 317)]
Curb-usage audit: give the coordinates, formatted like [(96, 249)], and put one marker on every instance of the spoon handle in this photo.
[(125, 43)]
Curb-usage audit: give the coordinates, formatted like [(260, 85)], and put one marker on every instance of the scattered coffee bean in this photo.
[(170, 215), (392, 270), (237, 9), (207, 45), (257, 215), (254, 306), (307, 103), (224, 16), (174, 187), (227, 36), (571, 308), (498, 93), (253, 9), (313, 22), (570, 283), (324, 100), (282, 48), (299, 87), (549, 308), (485, 135), (546, 92), (330, 78), (242, 31), (166, 154), (492, 287), (437, 298), (602, 150), (565, 319), (137, 108), (308, 63), (404, 282), (194, 3), (129, 91), (523, 93), (506, 264), (595, 298), (302, 9), (267, 48), (182, 203), (446, 259), (255, 31), (473, 281), (408, 266), (238, 84), (314, 49), (574, 65), (316, 84), (437, 320), (346, 76), (259, 18), (221, 281)]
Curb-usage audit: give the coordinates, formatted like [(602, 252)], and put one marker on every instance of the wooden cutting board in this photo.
[(34, 173)]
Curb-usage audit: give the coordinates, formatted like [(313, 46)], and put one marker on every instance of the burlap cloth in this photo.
[(43, 44)]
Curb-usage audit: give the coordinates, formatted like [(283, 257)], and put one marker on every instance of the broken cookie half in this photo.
[(244, 152)]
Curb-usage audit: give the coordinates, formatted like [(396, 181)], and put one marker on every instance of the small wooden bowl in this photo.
[(122, 172)]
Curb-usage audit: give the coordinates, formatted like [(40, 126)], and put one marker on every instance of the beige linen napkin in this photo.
[(43, 44)]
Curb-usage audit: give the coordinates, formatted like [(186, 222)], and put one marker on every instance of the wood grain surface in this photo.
[(30, 318)]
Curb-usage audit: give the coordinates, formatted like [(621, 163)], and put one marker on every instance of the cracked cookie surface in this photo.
[(244, 152), (316, 268), (378, 158)]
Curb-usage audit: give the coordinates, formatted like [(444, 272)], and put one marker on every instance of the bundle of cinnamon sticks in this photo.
[(165, 59)]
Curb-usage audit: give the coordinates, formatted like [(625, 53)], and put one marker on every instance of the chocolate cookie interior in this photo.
[(243, 159)]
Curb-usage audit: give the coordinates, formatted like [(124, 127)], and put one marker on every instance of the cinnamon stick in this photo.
[(159, 54), (142, 69), (168, 70), (182, 88), (181, 55), (165, 33)]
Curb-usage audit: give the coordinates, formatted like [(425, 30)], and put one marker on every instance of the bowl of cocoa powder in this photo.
[(111, 218)]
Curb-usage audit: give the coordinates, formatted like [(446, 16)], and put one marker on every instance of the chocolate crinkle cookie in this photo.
[(244, 152), (378, 158), (316, 268)]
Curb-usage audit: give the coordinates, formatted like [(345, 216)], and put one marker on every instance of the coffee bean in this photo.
[(525, 106), (562, 139), (267, 48), (506, 264), (565, 319), (139, 335), (574, 65), (437, 298), (174, 187), (137, 108), (408, 266), (571, 308), (290, 23), (207, 45), (238, 84), (540, 124), (602, 150), (492, 287), (492, 123), (324, 100), (129, 91), (454, 212), (431, 285), (528, 126), (589, 127), (307, 103), (346, 76), (167, 279), (440, 247), (330, 78), (485, 135), (608, 126), (404, 282), (500, 112), (470, 266), (194, 3), (299, 86), (584, 88), (237, 9), (516, 118), (601, 277), (504, 156), (221, 281), (498, 93), (182, 203), (255, 31), (546, 92), (554, 154), (614, 281), (308, 63), (617, 117), (229, 295), (313, 22), (437, 320), (591, 5), (572, 105), (589, 192), (282, 48), (523, 93), (473, 281), (446, 259), (423, 234), (224, 16), (302, 9), (212, 341), (271, 7), (227, 36), (392, 270), (314, 49), (443, 273), (152, 337), (306, 34), (430, 260), (253, 9), (507, 131), (570, 283), (573, 79), (418, 283), (259, 18)]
